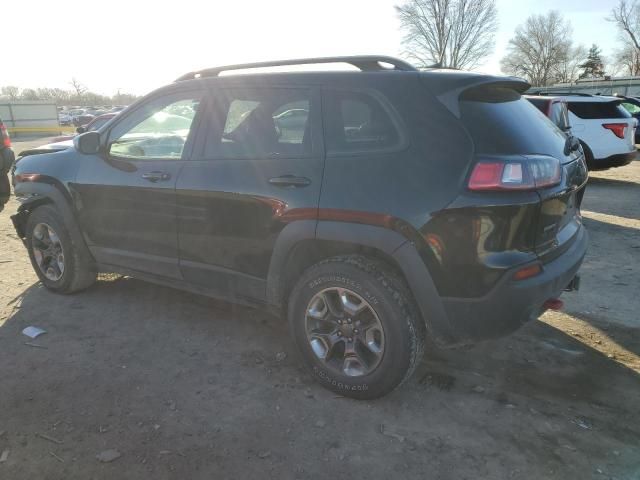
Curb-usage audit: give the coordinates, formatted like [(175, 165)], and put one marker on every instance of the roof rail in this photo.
[(366, 63)]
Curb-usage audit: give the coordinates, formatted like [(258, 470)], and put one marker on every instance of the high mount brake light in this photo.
[(618, 129), (527, 174)]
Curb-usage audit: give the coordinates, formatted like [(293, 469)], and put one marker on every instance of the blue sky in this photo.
[(138, 45)]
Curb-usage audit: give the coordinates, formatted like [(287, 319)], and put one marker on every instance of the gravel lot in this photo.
[(185, 387)]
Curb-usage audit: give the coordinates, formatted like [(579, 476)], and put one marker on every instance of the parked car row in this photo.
[(78, 116), (604, 125), (376, 209)]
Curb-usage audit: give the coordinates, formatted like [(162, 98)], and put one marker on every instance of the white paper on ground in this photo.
[(33, 332)]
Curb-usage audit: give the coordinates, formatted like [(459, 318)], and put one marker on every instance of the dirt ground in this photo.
[(185, 387)]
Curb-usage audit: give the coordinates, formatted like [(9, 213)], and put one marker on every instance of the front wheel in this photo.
[(356, 327), (61, 264)]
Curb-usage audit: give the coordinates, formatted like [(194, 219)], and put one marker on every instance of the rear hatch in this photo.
[(504, 126), (618, 125)]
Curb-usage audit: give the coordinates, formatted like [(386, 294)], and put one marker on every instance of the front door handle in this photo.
[(290, 181), (156, 176)]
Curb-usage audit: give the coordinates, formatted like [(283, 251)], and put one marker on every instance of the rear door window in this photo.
[(262, 122), (358, 121)]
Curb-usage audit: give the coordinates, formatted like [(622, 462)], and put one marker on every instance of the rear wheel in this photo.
[(588, 155), (61, 264), (356, 326)]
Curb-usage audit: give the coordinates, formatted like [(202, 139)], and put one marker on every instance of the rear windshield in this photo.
[(591, 110), (501, 122)]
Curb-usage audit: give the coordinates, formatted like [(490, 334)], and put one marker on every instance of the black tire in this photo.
[(391, 301), (588, 155), (79, 269)]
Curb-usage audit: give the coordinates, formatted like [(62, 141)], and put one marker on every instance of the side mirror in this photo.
[(81, 130), (87, 143)]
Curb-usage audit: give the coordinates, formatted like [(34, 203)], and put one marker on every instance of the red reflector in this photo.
[(553, 304), (486, 176), (527, 272), (27, 177), (618, 129)]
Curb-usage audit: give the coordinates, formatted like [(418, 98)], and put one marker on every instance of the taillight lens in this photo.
[(6, 140), (527, 174), (618, 129)]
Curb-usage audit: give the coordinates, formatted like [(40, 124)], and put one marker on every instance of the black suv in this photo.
[(376, 208)]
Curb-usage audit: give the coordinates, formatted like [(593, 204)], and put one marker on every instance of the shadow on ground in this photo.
[(187, 387)]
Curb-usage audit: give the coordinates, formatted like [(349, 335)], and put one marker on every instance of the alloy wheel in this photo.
[(47, 251), (344, 332)]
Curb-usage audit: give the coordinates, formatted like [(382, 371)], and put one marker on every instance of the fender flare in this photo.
[(37, 193), (383, 239)]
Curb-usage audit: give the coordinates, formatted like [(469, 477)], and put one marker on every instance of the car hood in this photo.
[(48, 148)]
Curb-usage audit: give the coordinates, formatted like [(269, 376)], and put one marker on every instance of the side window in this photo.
[(358, 121), (158, 132), (265, 122), (631, 108)]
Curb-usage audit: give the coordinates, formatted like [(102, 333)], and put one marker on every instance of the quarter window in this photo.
[(358, 121), (160, 132)]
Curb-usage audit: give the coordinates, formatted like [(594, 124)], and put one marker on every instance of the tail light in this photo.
[(618, 129), (526, 174), (6, 140)]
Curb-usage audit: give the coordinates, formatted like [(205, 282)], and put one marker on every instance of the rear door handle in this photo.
[(156, 176), (290, 181)]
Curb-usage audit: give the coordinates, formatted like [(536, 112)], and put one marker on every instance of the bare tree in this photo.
[(627, 59), (79, 88), (539, 48), (449, 33), (626, 16), (11, 92)]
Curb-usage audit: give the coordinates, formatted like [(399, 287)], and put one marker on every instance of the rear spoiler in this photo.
[(448, 85)]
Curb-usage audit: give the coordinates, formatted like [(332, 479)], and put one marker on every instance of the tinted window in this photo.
[(591, 110), (157, 132), (357, 121), (262, 122), (559, 115), (501, 122), (540, 103)]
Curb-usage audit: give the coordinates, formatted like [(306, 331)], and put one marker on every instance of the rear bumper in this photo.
[(617, 160), (512, 303)]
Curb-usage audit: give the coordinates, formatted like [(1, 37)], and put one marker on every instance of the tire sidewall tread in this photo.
[(80, 271), (387, 293)]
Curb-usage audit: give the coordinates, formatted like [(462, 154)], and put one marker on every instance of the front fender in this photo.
[(41, 191)]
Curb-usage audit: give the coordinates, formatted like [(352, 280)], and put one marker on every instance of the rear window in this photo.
[(501, 122), (592, 110), (540, 103)]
